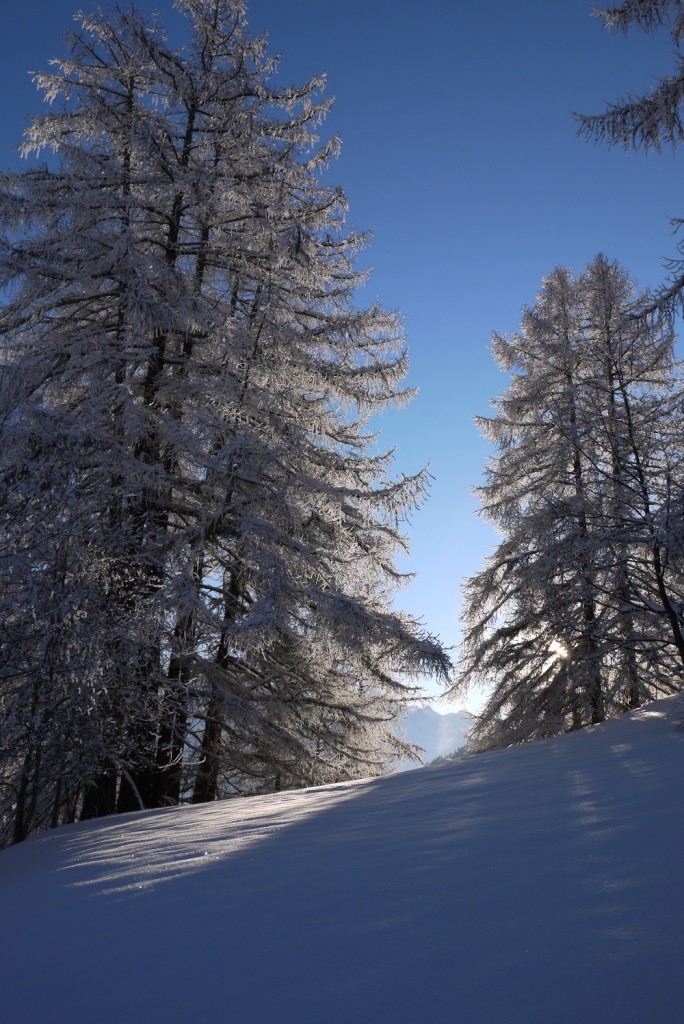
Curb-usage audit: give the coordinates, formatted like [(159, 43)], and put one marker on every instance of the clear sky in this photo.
[(460, 152)]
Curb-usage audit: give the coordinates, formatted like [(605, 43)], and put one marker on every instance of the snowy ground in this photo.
[(539, 885)]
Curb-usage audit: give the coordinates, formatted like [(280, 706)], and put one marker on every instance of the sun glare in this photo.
[(559, 651)]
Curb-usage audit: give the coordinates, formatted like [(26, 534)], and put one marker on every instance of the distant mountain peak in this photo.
[(437, 734)]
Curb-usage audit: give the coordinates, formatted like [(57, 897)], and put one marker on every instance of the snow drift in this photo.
[(535, 884)]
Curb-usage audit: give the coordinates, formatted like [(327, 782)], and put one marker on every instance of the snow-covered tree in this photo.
[(201, 530), (652, 120), (576, 615)]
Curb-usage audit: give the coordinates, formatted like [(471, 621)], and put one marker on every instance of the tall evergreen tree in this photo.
[(201, 533), (570, 620)]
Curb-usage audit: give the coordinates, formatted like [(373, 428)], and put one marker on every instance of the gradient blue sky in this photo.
[(460, 152)]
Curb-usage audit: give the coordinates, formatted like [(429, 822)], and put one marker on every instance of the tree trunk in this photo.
[(99, 798)]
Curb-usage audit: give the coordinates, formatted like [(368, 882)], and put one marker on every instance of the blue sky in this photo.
[(460, 152)]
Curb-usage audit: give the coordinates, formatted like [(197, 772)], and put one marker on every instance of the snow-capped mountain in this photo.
[(438, 735)]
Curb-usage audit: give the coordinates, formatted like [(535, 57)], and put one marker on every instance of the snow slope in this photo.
[(538, 885)]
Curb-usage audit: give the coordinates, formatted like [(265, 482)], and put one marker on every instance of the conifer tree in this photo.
[(571, 619), (201, 531), (650, 121)]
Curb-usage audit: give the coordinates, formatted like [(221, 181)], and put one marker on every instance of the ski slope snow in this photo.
[(539, 885)]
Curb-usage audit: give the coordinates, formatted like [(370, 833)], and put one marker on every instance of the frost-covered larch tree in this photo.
[(569, 621), (650, 121), (200, 531)]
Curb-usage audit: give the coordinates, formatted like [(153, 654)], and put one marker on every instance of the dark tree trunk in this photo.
[(99, 798), (206, 779)]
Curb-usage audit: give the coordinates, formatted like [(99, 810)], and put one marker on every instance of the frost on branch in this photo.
[(650, 121), (577, 616), (200, 535)]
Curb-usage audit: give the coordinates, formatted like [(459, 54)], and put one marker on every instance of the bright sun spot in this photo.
[(559, 650)]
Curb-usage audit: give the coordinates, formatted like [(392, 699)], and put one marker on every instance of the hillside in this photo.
[(535, 885)]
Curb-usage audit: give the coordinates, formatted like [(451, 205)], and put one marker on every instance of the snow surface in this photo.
[(539, 884)]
